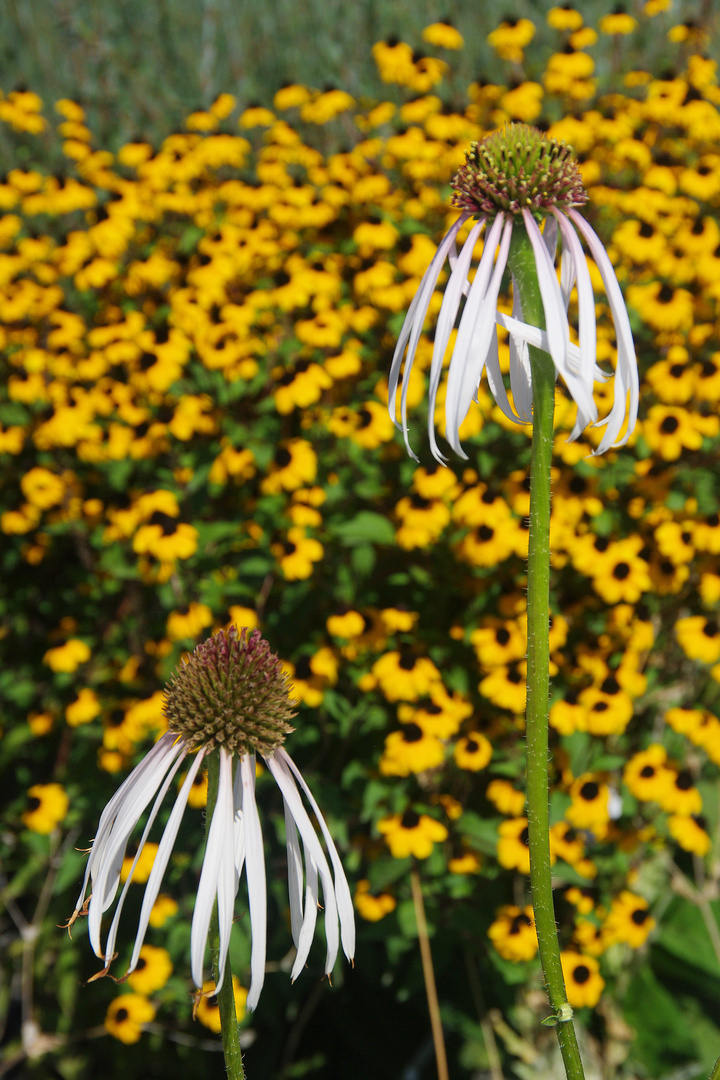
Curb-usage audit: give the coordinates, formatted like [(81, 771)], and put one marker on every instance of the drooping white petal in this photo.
[(412, 327), (255, 873), (454, 291), (291, 795), (295, 875), (238, 827), (558, 333), (520, 371), (226, 871), (555, 318), (483, 337), (550, 236), (342, 889), (142, 775), (586, 300), (464, 365), (112, 933), (626, 376), (213, 877), (495, 380), (162, 856), (105, 877)]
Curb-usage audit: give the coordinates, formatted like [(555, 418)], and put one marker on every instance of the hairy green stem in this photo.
[(226, 996), (524, 271)]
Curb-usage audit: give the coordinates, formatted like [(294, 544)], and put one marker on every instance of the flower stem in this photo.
[(226, 996), (429, 976), (524, 271)]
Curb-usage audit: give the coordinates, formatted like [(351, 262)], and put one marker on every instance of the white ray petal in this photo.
[(550, 237), (106, 876), (112, 933), (586, 300), (290, 793), (137, 778), (238, 826), (255, 873), (342, 889), (482, 335), (464, 363), (413, 324), (226, 871), (454, 291), (162, 856), (626, 376), (520, 371), (219, 842), (495, 380), (555, 318), (295, 875)]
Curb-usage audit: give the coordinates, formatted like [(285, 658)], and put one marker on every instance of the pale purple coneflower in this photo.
[(514, 179), (232, 696)]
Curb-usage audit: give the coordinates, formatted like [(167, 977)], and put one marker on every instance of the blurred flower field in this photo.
[(194, 432)]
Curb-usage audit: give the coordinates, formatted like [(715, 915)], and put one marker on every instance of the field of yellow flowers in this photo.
[(194, 432)]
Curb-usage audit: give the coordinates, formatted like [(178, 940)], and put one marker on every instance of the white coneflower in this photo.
[(231, 695), (514, 179)]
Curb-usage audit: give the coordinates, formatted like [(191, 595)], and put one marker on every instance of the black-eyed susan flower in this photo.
[(505, 687), (505, 797), (473, 752), (469, 862), (646, 774), (421, 521), (232, 696), (372, 906), (512, 850), (623, 575), (166, 539), (207, 1010), (412, 834), (410, 750), (590, 806), (699, 637), (84, 709), (294, 466), (405, 677), (681, 796), (154, 968), (297, 554), (441, 716), (443, 35), (566, 843), (583, 981), (668, 430), (629, 920), (512, 179), (67, 657), (47, 806), (513, 933), (188, 622), (163, 909), (564, 17), (510, 38), (689, 831), (127, 1015)]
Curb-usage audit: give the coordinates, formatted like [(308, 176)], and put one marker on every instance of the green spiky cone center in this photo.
[(232, 691), (517, 168)]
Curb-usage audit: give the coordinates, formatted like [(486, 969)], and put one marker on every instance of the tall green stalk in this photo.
[(226, 996), (524, 271)]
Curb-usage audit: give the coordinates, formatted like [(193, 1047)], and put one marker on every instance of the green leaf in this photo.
[(365, 527)]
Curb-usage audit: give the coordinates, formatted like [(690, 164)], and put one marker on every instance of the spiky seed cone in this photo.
[(231, 691), (517, 168)]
